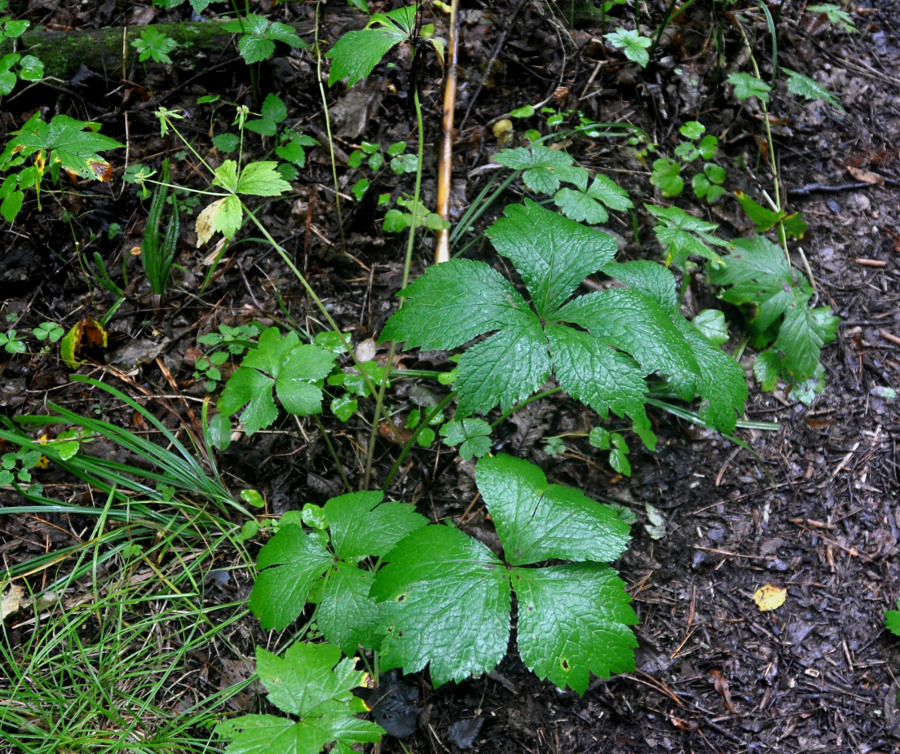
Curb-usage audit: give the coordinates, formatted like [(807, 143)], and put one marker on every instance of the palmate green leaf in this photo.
[(68, 143), (802, 335), (506, 368), (290, 563), (262, 179), (472, 435), (543, 168), (892, 620), (346, 615), (633, 43), (539, 521), (258, 37), (253, 389), (633, 322), (721, 383), (448, 601), (312, 682), (682, 234), (448, 597), (757, 278), (553, 254), (452, 303), (600, 377), (747, 85), (356, 53), (295, 370), (574, 620), (588, 205), (361, 525)]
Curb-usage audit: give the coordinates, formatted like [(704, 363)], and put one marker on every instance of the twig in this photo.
[(445, 164)]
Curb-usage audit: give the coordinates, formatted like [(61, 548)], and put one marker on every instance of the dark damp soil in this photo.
[(810, 507)]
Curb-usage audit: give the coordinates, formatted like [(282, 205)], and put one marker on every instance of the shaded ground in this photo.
[(815, 512)]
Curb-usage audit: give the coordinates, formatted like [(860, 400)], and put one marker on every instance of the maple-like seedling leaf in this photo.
[(314, 684), (448, 598), (294, 370), (601, 346), (757, 278)]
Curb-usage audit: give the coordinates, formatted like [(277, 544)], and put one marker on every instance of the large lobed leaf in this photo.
[(574, 620), (539, 521), (553, 254), (448, 605), (447, 597), (292, 562)]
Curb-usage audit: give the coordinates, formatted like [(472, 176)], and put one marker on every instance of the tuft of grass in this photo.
[(120, 640)]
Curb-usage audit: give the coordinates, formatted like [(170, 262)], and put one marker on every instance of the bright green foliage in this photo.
[(807, 88), (892, 620), (293, 147), (13, 65), (835, 15), (312, 683), (448, 597), (12, 342), (765, 219), (632, 43), (154, 44), (293, 369), (544, 169), (356, 53), (472, 435), (620, 336), (259, 35), (293, 562), (198, 5), (225, 215), (272, 113), (51, 331), (757, 278), (746, 86), (666, 177), (682, 234), (603, 439), (62, 143)]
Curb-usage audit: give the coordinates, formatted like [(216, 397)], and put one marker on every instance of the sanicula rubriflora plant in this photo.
[(373, 574)]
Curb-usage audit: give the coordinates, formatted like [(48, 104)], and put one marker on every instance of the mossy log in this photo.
[(111, 50)]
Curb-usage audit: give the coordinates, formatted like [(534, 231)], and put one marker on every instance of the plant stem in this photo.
[(407, 264)]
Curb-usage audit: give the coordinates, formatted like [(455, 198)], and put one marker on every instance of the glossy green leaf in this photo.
[(447, 603), (538, 521), (574, 620)]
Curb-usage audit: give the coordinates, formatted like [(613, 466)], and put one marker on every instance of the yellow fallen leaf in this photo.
[(769, 597), (12, 601)]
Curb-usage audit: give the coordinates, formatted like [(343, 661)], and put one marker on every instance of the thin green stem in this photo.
[(334, 177), (407, 264), (408, 446)]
